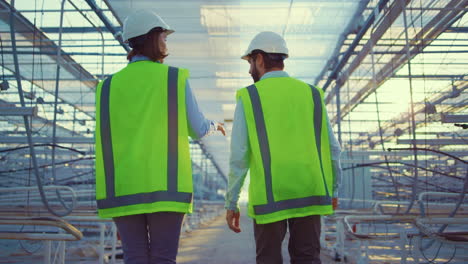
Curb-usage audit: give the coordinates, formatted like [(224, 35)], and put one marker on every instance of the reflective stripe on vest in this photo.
[(273, 206), (171, 195)]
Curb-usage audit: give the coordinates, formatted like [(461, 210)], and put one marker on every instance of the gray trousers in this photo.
[(304, 240), (150, 238)]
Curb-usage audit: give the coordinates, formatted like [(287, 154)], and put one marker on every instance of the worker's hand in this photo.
[(232, 219), (335, 203), (220, 127)]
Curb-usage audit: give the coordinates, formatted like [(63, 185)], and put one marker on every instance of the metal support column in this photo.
[(57, 83), (25, 117), (47, 251), (412, 114), (338, 114)]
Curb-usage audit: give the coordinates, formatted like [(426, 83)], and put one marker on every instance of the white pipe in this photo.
[(46, 188), (322, 232), (77, 218), (422, 223), (340, 248), (373, 218), (32, 189), (101, 243), (55, 254), (33, 236), (442, 220), (439, 194), (62, 252), (37, 195), (47, 251), (74, 233), (114, 242), (377, 204), (418, 245), (403, 242)]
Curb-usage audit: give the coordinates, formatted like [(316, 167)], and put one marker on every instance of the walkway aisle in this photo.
[(217, 244)]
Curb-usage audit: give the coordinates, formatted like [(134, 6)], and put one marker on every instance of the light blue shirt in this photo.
[(198, 125), (240, 152)]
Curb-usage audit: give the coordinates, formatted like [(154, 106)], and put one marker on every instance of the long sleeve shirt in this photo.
[(240, 152), (198, 125)]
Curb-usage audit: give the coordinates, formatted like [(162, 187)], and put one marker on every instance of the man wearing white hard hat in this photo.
[(144, 116), (281, 133)]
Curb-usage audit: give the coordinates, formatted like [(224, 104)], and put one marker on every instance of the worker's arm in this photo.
[(198, 125), (335, 153), (239, 165)]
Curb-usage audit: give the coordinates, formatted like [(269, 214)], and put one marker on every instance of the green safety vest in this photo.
[(291, 173), (142, 150)]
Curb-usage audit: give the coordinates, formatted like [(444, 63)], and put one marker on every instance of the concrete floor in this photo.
[(215, 243)]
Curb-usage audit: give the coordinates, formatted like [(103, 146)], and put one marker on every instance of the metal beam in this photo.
[(79, 29), (107, 23), (457, 30), (370, 20), (400, 153), (417, 52), (55, 10), (67, 62), (430, 9), (63, 130), (392, 41), (62, 140), (360, 160), (24, 25), (18, 111), (449, 118), (358, 15), (433, 142), (431, 76), (51, 53), (430, 29), (394, 11), (461, 87)]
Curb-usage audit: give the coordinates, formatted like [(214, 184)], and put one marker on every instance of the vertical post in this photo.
[(205, 175), (322, 232), (340, 239), (361, 253), (417, 250), (61, 258), (412, 117), (57, 80), (338, 114), (21, 97), (403, 242), (114, 241), (47, 251), (363, 247), (366, 251), (102, 230)]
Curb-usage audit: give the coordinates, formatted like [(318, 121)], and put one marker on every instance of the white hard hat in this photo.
[(141, 22), (269, 42)]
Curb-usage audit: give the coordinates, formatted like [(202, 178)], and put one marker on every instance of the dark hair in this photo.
[(147, 45), (271, 60)]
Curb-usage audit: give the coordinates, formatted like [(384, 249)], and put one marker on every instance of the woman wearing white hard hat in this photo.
[(144, 116)]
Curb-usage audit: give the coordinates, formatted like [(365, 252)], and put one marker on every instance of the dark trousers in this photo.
[(304, 240), (150, 238)]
